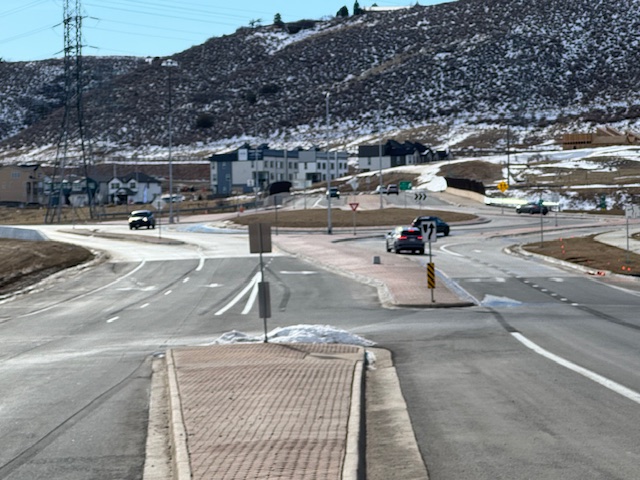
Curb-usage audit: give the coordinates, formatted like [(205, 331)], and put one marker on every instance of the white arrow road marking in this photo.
[(236, 299), (605, 382)]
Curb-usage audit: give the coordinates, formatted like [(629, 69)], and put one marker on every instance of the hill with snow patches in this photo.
[(457, 74)]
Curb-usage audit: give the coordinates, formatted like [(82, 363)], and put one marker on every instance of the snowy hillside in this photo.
[(457, 73)]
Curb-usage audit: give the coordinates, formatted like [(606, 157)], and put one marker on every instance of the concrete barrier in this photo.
[(22, 234)]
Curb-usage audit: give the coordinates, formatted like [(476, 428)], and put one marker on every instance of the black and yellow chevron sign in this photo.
[(431, 275)]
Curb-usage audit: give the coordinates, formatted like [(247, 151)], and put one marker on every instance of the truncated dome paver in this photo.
[(266, 410)]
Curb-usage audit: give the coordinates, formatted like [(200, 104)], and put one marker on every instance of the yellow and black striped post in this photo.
[(431, 278)]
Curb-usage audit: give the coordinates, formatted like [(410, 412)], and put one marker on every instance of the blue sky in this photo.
[(33, 30)]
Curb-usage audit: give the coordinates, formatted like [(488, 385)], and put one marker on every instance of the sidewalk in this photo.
[(400, 279)]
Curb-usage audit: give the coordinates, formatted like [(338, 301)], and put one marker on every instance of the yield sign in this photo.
[(354, 206)]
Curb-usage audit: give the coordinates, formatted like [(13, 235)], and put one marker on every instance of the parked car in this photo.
[(392, 188), (380, 189), (333, 192), (141, 218), (441, 225), (532, 207), (405, 238)]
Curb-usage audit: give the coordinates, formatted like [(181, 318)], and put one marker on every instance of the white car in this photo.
[(380, 189)]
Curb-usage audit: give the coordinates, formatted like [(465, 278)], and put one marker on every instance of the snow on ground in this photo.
[(297, 334)]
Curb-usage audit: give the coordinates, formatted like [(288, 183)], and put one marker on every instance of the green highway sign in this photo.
[(405, 185)]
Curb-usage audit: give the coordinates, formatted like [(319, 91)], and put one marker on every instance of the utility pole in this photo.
[(329, 227), (73, 86), (170, 64)]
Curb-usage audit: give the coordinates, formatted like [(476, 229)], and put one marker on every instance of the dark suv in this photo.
[(405, 238), (532, 208), (441, 225), (141, 218)]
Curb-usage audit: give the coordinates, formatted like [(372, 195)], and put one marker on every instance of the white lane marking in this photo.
[(236, 299), (185, 280), (141, 289), (301, 272), (213, 285), (144, 305), (252, 299), (605, 382), (200, 264), (87, 293), (168, 292), (445, 250), (112, 319)]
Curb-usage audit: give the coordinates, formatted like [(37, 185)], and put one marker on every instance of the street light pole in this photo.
[(380, 165), (329, 227), (171, 64)]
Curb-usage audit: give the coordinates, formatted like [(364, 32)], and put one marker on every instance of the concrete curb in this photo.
[(178, 434), (395, 452), (354, 467)]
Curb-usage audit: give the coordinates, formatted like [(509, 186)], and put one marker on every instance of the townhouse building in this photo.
[(247, 168), (393, 154)]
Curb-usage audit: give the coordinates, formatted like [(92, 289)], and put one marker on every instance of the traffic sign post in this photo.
[(404, 186), (503, 187), (354, 207), (419, 196), (430, 235)]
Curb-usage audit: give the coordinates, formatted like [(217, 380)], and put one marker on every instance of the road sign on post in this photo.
[(503, 186), (419, 195), (260, 242), (354, 207), (429, 232), (405, 185)]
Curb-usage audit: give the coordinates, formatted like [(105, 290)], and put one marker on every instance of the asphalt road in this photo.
[(528, 384), (75, 364), (540, 380)]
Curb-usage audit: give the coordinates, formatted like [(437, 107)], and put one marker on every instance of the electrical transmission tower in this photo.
[(73, 130)]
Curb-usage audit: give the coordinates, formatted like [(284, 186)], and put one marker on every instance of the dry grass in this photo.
[(23, 263), (589, 253), (317, 218)]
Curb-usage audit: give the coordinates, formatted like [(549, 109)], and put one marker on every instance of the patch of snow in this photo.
[(297, 334)]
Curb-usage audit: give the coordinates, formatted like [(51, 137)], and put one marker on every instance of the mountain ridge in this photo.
[(457, 73)]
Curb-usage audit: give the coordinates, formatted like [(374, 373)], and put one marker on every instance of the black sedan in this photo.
[(441, 226), (532, 208), (405, 238)]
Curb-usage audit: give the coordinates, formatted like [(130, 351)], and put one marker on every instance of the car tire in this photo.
[(130, 227), (446, 233), (420, 252)]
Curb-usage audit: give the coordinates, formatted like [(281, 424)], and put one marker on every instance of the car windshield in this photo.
[(140, 214)]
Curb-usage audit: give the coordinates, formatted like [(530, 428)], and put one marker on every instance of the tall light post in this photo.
[(171, 64), (329, 228), (380, 165)]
